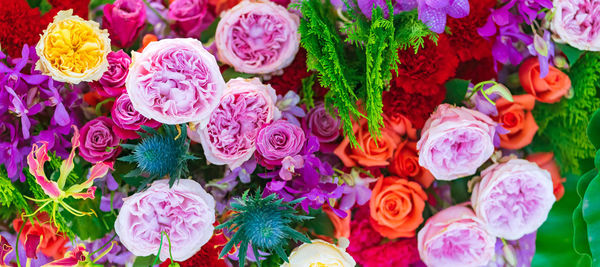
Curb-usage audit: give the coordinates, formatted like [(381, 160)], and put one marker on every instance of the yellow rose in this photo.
[(321, 254), (73, 49)]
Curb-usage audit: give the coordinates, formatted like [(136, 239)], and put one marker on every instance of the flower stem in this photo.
[(161, 240)]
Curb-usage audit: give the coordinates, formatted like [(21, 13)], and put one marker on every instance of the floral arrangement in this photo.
[(299, 133)]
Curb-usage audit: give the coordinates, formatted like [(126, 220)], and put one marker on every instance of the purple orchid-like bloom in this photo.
[(289, 165), (531, 9), (367, 6), (356, 191), (111, 201), (518, 253), (505, 27), (117, 256), (433, 12), (288, 105), (543, 48)]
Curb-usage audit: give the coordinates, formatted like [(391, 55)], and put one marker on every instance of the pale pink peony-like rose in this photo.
[(455, 237), (257, 37), (230, 136), (455, 142), (175, 81), (513, 198), (577, 22), (185, 212)]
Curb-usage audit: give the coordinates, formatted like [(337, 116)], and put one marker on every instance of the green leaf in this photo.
[(593, 129), (230, 73), (591, 216), (572, 53), (456, 91), (554, 245), (209, 32), (580, 233), (96, 3), (143, 261), (459, 190)]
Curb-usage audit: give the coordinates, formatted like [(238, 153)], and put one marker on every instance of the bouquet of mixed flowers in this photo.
[(299, 133)]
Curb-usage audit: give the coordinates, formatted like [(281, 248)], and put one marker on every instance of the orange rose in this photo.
[(222, 5), (546, 161), (341, 226), (396, 207), (406, 164), (516, 117), (52, 244), (372, 152), (549, 89)]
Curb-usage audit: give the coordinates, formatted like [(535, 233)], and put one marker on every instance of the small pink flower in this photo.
[(190, 17), (278, 140), (513, 198), (455, 237), (185, 212), (455, 142), (124, 20), (577, 23), (98, 141), (289, 165), (112, 82), (257, 37), (230, 135), (175, 81), (127, 120)]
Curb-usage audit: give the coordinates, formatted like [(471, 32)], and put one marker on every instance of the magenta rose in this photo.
[(230, 135), (455, 141), (127, 120), (455, 237), (175, 81), (124, 21), (513, 198), (112, 82), (278, 140), (576, 23), (98, 141), (190, 17), (185, 212), (319, 122), (258, 37)]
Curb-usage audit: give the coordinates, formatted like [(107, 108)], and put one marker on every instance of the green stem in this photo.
[(99, 105), (169, 240), (160, 246), (17, 244), (96, 251)]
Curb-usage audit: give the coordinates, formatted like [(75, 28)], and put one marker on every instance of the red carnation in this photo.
[(20, 25), (477, 70), (292, 76), (414, 106), (465, 40), (208, 256), (432, 65), (80, 7)]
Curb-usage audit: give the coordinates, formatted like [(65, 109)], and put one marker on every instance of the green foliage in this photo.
[(562, 125), (456, 91), (308, 92), (572, 53), (554, 245), (11, 200), (411, 31), (580, 227)]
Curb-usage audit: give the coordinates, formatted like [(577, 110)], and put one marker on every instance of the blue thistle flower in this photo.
[(264, 223), (160, 154)]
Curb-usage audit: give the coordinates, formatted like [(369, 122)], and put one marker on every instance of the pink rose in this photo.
[(455, 237), (112, 82), (124, 21), (190, 17), (278, 140), (98, 141), (319, 122), (185, 212), (175, 81), (230, 136), (127, 120), (455, 141), (257, 37), (513, 198), (576, 23)]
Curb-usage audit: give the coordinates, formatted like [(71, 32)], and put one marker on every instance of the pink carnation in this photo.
[(577, 22), (175, 81), (230, 136), (257, 37), (455, 142), (127, 120), (513, 198), (185, 212), (455, 237)]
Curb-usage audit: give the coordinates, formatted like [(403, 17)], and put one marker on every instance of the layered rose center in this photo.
[(258, 39), (100, 138), (513, 120), (458, 246), (581, 18), (458, 148), (325, 127), (73, 46), (125, 115)]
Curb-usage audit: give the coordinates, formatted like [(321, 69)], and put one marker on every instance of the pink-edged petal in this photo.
[(97, 171), (72, 258), (36, 159), (89, 193), (5, 248), (67, 166), (32, 245)]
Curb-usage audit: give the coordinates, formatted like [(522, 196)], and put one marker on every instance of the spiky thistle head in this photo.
[(264, 223), (160, 153)]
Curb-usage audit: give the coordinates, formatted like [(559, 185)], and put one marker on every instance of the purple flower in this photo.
[(98, 141), (277, 141), (11, 256), (288, 105), (118, 255), (113, 201), (356, 191), (433, 12), (112, 82), (289, 166), (543, 48), (124, 21), (518, 253), (530, 9), (367, 6)]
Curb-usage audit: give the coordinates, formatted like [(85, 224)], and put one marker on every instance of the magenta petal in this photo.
[(5, 249), (36, 159), (60, 115), (489, 29), (32, 243)]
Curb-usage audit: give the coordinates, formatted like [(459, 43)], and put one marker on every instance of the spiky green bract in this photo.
[(562, 126), (160, 153), (264, 223), (11, 200)]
